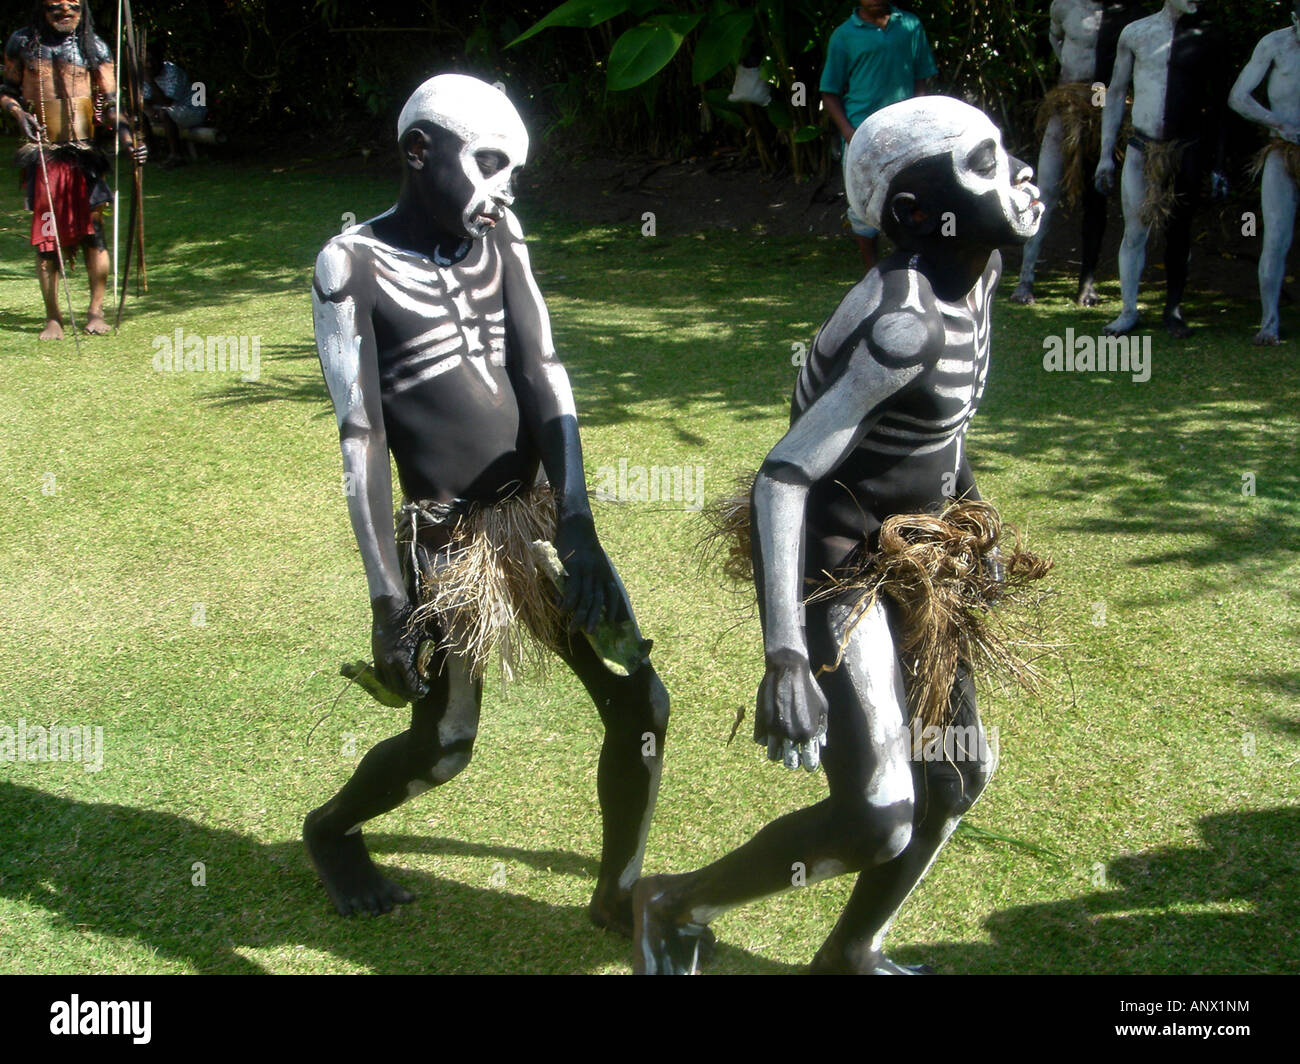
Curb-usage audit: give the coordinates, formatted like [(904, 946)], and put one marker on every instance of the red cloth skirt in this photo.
[(72, 212)]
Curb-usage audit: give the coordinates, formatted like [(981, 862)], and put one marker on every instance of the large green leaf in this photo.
[(720, 43), (807, 133), (641, 52), (581, 13)]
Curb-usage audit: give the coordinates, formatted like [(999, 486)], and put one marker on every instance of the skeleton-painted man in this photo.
[(878, 422), (53, 70), (1277, 60), (1084, 35), (1170, 63), (436, 346)]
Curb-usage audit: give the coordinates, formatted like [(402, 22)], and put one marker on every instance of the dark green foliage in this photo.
[(643, 75)]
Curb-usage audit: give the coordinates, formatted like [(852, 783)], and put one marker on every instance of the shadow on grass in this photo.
[(126, 872), (1211, 429), (306, 385), (1249, 859)]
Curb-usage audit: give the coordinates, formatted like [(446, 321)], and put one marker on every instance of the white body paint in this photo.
[(1276, 61), (1073, 32), (1142, 66), (877, 679), (485, 120), (897, 136)]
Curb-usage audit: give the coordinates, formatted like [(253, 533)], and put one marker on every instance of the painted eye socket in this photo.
[(490, 162), (983, 160)]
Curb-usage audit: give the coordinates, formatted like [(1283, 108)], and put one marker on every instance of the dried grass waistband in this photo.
[(937, 571), (481, 594)]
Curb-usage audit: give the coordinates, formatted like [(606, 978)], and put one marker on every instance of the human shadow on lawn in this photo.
[(304, 384), (1250, 859), (127, 872)]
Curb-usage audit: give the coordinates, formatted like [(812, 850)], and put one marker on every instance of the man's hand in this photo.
[(28, 124), (140, 152), (1105, 176), (394, 649), (790, 718), (590, 589), (1288, 131)]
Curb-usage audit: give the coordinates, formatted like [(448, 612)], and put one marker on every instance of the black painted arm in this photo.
[(546, 403)]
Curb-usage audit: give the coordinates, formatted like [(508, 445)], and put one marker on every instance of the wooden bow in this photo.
[(133, 49)]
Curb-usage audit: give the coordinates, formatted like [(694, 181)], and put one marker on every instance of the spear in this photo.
[(117, 155), (135, 224), (51, 214)]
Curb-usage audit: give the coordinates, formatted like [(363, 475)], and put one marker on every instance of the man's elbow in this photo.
[(358, 432), (778, 470), (1238, 101)]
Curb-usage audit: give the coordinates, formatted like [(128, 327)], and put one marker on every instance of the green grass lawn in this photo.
[(180, 572)]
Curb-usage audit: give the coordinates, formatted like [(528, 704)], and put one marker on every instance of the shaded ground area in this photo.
[(727, 191)]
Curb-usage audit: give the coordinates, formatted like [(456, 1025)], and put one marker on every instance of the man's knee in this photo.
[(874, 834), (1135, 236), (657, 701), (96, 241), (638, 702), (436, 765), (953, 784)]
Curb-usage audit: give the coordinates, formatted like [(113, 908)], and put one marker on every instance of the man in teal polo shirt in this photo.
[(879, 56)]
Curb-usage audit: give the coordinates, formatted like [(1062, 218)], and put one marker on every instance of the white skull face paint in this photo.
[(493, 143), (930, 127), (982, 166)]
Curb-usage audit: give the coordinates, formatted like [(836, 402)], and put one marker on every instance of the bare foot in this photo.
[(95, 323), (612, 911), (1024, 294), (663, 945), (1268, 336), (1087, 296), (351, 879), (53, 330), (1124, 324), (832, 961), (1178, 328)]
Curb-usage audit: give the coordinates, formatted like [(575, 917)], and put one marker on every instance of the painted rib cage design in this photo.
[(956, 381), (463, 306)]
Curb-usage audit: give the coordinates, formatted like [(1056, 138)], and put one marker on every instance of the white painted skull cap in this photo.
[(478, 113), (899, 135)]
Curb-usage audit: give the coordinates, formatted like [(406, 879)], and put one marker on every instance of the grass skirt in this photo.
[(934, 568), (481, 594), (1290, 156), (1080, 135), (1161, 161)]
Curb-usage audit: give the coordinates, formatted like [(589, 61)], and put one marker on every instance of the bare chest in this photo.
[(1284, 78), (1082, 26), (440, 324)]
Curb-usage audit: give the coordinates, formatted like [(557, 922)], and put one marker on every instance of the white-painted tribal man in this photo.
[(1084, 35), (1276, 61), (1169, 62)]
